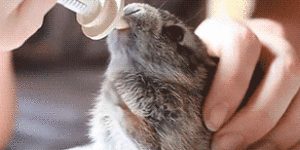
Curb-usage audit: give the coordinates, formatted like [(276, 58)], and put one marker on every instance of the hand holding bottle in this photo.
[(20, 19)]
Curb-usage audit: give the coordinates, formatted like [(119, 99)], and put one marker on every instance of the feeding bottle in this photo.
[(97, 17)]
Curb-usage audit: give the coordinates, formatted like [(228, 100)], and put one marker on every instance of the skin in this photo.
[(281, 57), (274, 107), (270, 100), (17, 16), (7, 99)]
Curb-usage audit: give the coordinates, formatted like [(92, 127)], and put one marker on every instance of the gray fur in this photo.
[(152, 95)]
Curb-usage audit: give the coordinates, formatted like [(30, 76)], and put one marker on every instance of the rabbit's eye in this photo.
[(175, 33)]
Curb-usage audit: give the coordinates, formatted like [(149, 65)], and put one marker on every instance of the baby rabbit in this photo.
[(153, 92)]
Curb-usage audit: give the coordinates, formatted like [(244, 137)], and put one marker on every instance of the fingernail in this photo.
[(228, 142), (217, 116)]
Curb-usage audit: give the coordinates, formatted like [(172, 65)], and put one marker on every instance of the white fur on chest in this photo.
[(107, 125)]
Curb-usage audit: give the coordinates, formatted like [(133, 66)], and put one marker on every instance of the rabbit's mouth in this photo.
[(123, 31)]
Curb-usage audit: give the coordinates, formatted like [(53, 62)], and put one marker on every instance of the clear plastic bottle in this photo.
[(97, 17)]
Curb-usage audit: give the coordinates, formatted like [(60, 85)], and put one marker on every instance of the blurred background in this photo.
[(59, 73)]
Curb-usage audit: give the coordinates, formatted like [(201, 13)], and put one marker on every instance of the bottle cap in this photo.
[(102, 17)]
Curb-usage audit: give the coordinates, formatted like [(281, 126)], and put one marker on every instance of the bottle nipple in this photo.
[(97, 17)]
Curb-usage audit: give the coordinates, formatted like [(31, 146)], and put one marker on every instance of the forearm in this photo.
[(7, 97)]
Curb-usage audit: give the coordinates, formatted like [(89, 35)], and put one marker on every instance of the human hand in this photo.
[(239, 49), (19, 20)]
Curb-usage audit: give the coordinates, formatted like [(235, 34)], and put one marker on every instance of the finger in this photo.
[(7, 7), (32, 12), (287, 132), (297, 147), (35, 8), (26, 19), (238, 49), (270, 100)]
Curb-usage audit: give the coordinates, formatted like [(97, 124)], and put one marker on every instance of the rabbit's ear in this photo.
[(174, 32)]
